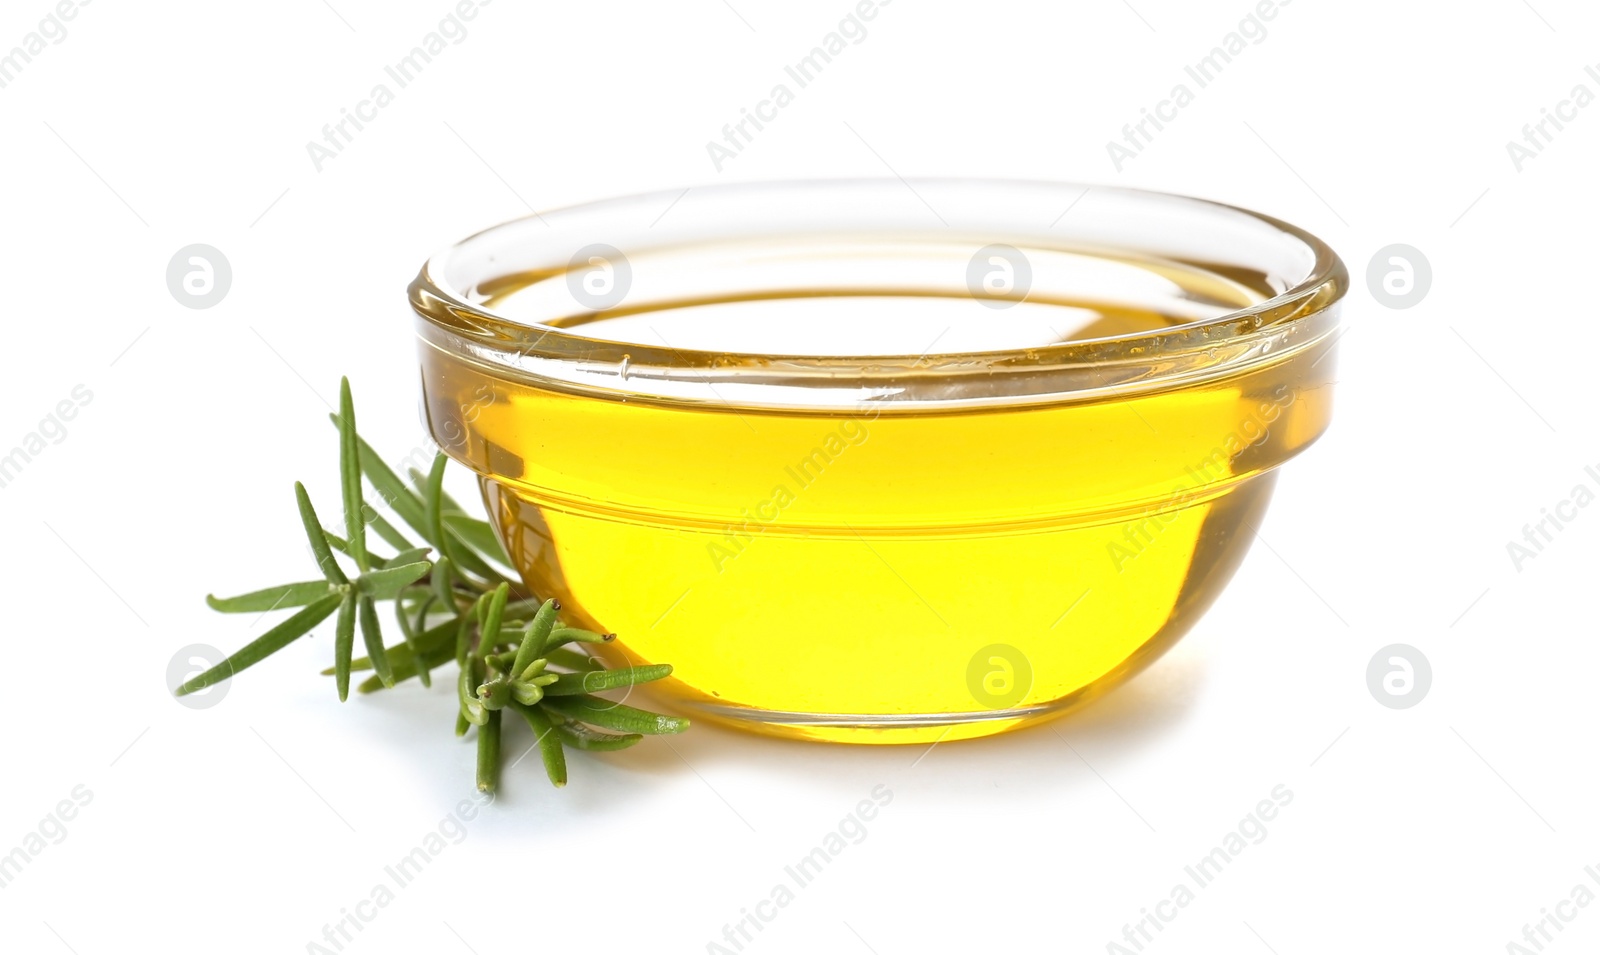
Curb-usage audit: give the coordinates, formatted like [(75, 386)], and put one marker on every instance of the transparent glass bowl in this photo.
[(874, 460)]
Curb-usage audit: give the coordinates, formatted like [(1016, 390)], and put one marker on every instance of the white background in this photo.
[(249, 826)]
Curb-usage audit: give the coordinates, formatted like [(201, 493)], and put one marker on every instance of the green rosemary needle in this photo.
[(451, 602)]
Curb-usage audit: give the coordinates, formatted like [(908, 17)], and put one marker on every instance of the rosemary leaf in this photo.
[(411, 508), (384, 529), (489, 629), (489, 754), (471, 707), (521, 610), (614, 716), (467, 560), (582, 737), (479, 535), (536, 636), (440, 636), (409, 631), (342, 546), (405, 667), (574, 684), (267, 644), (387, 583), (355, 526), (281, 597), (432, 488), (344, 638), (319, 540), (434, 505), (561, 635), (420, 480), (573, 660), (544, 736), (464, 637), (373, 638), (389, 487), (442, 588), (408, 556)]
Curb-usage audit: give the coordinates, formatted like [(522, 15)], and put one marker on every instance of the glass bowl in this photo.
[(881, 461)]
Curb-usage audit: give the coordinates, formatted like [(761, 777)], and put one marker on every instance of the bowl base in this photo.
[(890, 729)]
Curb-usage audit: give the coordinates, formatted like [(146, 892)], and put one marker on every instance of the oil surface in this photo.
[(875, 575)]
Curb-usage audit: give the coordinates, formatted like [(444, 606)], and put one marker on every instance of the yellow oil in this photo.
[(883, 576)]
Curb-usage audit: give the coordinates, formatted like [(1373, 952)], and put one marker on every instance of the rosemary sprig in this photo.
[(511, 649)]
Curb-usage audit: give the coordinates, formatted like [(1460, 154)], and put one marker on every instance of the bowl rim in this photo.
[(454, 322)]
